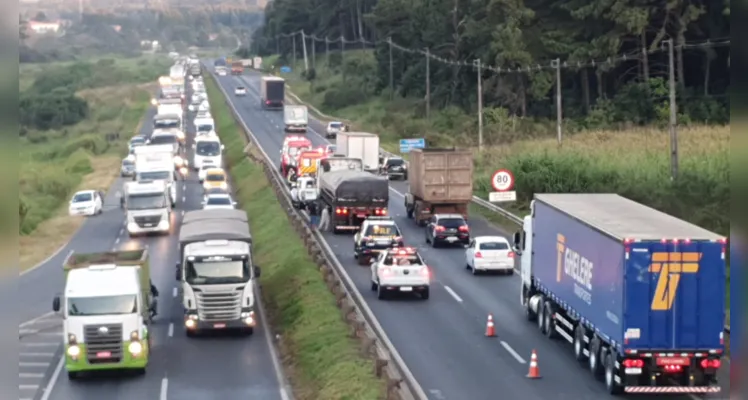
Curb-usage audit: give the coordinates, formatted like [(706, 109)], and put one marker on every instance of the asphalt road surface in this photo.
[(213, 367), (442, 340)]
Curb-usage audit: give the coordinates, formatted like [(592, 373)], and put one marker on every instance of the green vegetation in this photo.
[(326, 363)]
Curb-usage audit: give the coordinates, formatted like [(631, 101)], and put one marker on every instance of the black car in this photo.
[(449, 229), (395, 168)]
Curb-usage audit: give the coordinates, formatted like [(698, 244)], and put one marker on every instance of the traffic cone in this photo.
[(534, 372), (490, 329)]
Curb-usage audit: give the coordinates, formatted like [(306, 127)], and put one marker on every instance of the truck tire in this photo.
[(593, 362), (140, 371), (248, 331), (549, 321), (540, 314), (381, 294), (373, 286), (73, 375), (609, 362), (579, 344), (409, 212), (524, 301)]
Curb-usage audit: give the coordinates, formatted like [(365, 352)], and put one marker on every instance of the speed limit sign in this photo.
[(502, 180)]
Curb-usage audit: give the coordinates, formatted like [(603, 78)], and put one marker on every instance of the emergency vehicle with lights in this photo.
[(351, 193), (307, 161), (292, 146), (105, 308), (215, 271), (400, 270), (639, 294), (377, 234)]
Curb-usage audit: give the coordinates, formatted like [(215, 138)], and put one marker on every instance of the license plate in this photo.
[(673, 361), (148, 225), (219, 326), (406, 289), (361, 215), (452, 239), (104, 354)]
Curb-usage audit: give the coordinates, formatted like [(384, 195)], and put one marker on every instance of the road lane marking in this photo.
[(37, 354), (28, 387), (171, 329), (453, 294), (174, 292), (33, 364), (513, 352), (164, 388), (23, 375)]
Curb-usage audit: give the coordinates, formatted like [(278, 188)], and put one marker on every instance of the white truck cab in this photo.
[(295, 118), (156, 163), (147, 207), (208, 150), (204, 125)]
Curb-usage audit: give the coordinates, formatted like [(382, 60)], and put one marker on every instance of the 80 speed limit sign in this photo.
[(502, 180)]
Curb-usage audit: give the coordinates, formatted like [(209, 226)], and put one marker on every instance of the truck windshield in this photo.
[(164, 139), (165, 123), (207, 273), (146, 201), (204, 128), (208, 148), (102, 305), (155, 176)]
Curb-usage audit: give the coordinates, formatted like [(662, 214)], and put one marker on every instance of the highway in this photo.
[(214, 367), (442, 340)]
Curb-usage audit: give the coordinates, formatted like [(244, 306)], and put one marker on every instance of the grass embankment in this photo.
[(57, 162), (320, 358)]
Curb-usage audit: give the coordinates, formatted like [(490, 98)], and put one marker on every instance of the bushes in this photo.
[(51, 111)]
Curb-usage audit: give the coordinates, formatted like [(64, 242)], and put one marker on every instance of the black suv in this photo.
[(448, 229), (395, 168)]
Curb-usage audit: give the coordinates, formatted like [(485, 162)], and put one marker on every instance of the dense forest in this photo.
[(613, 52)]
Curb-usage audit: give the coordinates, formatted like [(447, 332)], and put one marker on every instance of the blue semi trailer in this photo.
[(639, 294)]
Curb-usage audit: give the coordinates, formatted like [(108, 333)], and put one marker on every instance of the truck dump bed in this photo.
[(647, 280), (441, 176), (355, 188)]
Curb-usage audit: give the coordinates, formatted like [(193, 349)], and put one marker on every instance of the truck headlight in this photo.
[(132, 227), (135, 348), (163, 224), (248, 317), (183, 171), (178, 160), (74, 351)]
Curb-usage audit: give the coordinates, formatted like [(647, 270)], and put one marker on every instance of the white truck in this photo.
[(147, 207), (208, 150), (167, 120), (215, 271), (156, 163), (361, 145), (295, 118), (204, 125), (272, 92), (106, 307), (257, 63)]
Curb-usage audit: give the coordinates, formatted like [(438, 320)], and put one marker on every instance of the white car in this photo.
[(86, 202), (204, 106), (240, 91), (222, 72), (489, 253), (333, 127), (218, 201), (400, 270)]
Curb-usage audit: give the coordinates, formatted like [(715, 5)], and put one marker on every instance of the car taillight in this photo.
[(267, 101), (633, 363), (341, 211), (380, 211), (464, 228), (425, 271), (510, 254), (440, 228), (478, 255), (706, 363), (385, 271)]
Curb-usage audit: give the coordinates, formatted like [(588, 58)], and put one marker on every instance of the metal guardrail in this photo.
[(412, 390)]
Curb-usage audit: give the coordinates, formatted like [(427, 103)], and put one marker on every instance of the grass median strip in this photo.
[(321, 360)]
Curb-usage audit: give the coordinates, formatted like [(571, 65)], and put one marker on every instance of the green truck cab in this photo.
[(106, 311)]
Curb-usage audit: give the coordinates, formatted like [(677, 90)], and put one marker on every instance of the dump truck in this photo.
[(106, 308), (237, 68), (351, 193), (441, 182), (639, 294), (361, 145)]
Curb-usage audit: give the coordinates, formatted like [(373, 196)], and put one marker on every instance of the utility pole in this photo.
[(559, 110), (428, 84), (303, 49), (363, 42), (294, 50), (327, 52), (480, 104), (673, 114), (392, 73), (342, 56), (314, 51), (277, 45)]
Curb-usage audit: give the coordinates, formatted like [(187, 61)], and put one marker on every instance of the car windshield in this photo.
[(204, 128), (208, 148), (206, 273), (381, 230), (493, 246), (155, 176), (146, 201), (240, 88), (215, 177), (451, 223), (102, 305), (396, 162), (336, 125), (82, 197), (137, 140), (166, 123), (403, 260), (127, 163), (219, 201), (164, 139)]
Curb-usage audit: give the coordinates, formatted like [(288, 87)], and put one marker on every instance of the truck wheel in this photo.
[(381, 294), (73, 375), (425, 294), (540, 314), (409, 212), (140, 371), (524, 301), (594, 360), (249, 331), (550, 322), (579, 344), (610, 374), (373, 286)]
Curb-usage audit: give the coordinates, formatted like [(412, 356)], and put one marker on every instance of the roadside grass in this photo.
[(321, 360), (55, 164)]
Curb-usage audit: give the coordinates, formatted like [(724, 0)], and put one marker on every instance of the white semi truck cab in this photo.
[(147, 207), (157, 163), (216, 272), (208, 150)]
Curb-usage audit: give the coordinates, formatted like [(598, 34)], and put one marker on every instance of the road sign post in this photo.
[(502, 182), (406, 145)]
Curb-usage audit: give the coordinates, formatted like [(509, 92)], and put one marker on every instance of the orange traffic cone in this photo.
[(534, 372), (490, 329)]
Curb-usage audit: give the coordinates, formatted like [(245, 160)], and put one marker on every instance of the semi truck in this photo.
[(351, 193), (106, 308), (639, 294), (215, 271), (156, 162), (237, 67), (147, 208), (441, 182), (361, 145), (272, 92), (295, 118)]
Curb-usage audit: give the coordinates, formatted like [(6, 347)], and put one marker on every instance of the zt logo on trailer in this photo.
[(670, 266)]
